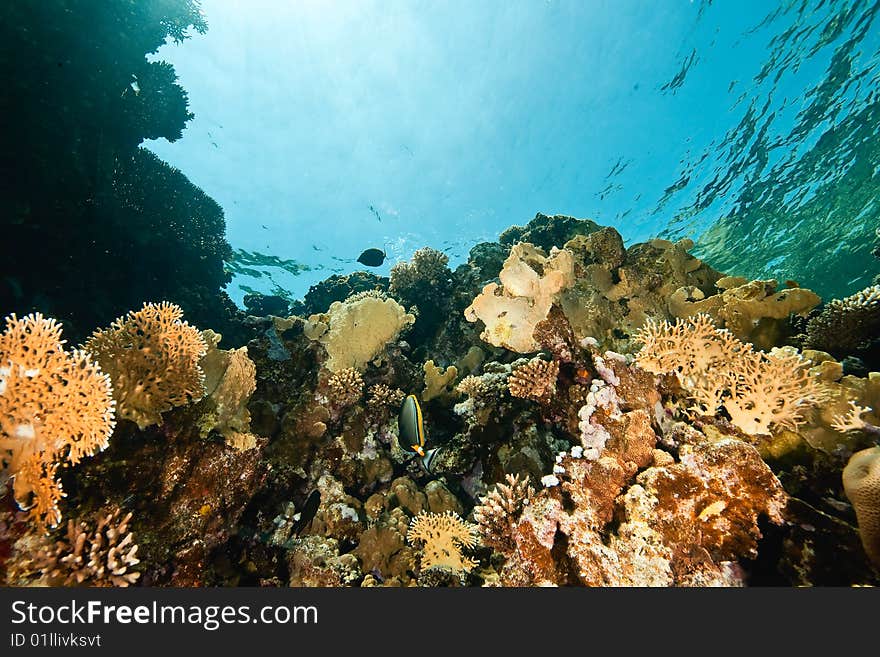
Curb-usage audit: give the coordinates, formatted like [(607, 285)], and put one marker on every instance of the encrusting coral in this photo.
[(152, 356), (55, 408), (861, 481)]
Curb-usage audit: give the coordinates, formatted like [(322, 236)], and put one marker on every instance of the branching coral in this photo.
[(444, 535), (92, 555), (346, 386), (152, 356), (381, 396), (530, 282), (55, 407), (499, 510), (846, 324), (761, 392), (536, 380)]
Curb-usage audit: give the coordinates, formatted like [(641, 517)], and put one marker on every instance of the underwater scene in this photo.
[(349, 293)]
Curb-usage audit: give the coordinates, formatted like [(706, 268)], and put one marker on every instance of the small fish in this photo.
[(375, 212), (372, 257), (310, 508), (265, 227), (411, 427)]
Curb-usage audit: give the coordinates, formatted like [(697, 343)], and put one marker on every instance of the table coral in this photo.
[(55, 407), (152, 356)]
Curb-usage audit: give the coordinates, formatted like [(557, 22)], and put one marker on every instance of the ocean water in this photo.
[(325, 128)]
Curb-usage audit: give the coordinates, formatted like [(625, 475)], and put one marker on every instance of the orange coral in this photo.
[(152, 356), (55, 407), (761, 392)]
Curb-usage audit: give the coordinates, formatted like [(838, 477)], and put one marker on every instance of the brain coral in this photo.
[(861, 481), (354, 332), (152, 356), (54, 407)]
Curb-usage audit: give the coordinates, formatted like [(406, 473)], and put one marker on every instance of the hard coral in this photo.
[(356, 331), (861, 481), (500, 509), (55, 407), (152, 356), (102, 554), (346, 386), (536, 380), (424, 278), (230, 380), (846, 324)]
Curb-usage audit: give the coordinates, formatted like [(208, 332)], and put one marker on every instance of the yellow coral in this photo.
[(437, 381), (530, 282), (230, 380), (761, 392), (55, 407), (347, 386), (354, 332), (444, 535), (152, 356)]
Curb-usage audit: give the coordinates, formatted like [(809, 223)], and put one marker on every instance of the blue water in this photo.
[(324, 128)]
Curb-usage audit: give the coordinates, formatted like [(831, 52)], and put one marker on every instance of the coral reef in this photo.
[(152, 356), (55, 408), (628, 417)]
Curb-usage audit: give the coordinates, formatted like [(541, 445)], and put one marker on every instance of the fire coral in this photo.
[(55, 407)]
